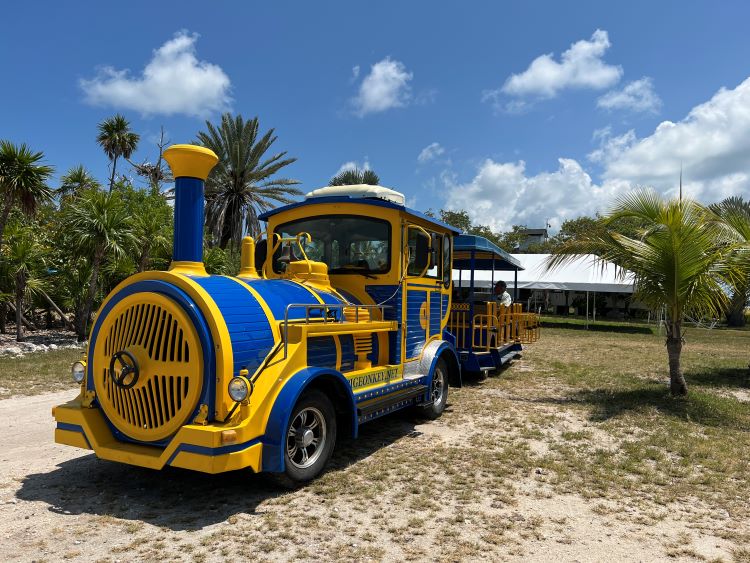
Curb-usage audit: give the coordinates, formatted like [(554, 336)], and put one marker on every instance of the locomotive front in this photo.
[(174, 357)]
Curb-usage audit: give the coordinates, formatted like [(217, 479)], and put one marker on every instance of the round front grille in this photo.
[(151, 331)]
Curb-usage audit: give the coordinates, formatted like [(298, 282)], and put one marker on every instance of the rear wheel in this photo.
[(310, 437), (438, 392)]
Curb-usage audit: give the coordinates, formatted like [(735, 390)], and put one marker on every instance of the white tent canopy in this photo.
[(582, 274)]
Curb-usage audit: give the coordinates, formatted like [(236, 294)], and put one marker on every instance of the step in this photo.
[(367, 408)]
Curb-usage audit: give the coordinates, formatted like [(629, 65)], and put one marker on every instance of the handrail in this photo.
[(326, 308)]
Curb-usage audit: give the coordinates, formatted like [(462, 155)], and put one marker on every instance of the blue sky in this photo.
[(522, 113)]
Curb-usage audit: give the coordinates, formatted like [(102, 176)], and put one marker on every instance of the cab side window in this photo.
[(436, 267), (419, 252)]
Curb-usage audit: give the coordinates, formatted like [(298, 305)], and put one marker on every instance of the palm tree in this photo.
[(77, 180), (100, 226), (22, 180), (675, 262), (354, 176), (733, 217), (25, 256), (117, 140), (242, 184)]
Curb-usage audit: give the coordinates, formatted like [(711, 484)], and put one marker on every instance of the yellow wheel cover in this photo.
[(153, 330)]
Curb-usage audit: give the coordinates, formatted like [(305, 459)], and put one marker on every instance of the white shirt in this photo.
[(503, 299)]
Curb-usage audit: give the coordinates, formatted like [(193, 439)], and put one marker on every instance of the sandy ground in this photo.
[(60, 503)]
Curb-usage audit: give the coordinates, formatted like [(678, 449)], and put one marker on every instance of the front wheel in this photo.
[(438, 392), (310, 437)]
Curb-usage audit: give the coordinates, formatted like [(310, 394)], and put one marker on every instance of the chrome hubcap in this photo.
[(437, 387), (306, 437)]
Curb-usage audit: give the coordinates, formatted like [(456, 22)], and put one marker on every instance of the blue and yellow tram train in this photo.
[(341, 313)]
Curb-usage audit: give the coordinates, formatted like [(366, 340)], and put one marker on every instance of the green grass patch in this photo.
[(37, 373)]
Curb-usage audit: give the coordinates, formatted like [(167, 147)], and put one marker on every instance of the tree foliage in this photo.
[(244, 183), (117, 140), (677, 262), (354, 177)]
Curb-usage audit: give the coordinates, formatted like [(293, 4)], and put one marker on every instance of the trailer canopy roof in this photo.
[(485, 254)]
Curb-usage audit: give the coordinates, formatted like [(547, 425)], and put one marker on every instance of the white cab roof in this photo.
[(360, 191)]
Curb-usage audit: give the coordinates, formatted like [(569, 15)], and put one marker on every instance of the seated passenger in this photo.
[(501, 296)]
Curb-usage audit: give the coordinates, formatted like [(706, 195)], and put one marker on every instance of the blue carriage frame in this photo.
[(472, 253)]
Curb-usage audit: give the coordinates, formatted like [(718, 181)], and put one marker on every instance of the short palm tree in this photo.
[(25, 257), (733, 217), (23, 180), (77, 180), (354, 176), (116, 139), (243, 183), (100, 227), (675, 262)]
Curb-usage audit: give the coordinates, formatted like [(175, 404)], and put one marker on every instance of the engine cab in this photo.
[(336, 318), (392, 263)]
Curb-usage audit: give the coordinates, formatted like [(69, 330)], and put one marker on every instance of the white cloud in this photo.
[(610, 146), (712, 144), (173, 82), (581, 66), (355, 72), (430, 152), (502, 194), (354, 165), (638, 95), (385, 87)]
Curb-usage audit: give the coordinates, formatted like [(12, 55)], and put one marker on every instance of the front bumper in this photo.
[(210, 448)]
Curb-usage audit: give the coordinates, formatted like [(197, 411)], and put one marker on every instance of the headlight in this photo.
[(239, 389), (78, 370)]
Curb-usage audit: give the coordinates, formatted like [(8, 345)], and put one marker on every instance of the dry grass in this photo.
[(578, 442), (37, 373)]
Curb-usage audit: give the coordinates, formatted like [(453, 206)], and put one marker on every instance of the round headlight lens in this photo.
[(238, 389), (78, 370)]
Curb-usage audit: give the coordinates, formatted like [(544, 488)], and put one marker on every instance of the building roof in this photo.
[(583, 274)]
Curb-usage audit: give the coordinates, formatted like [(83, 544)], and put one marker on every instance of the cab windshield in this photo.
[(347, 244)]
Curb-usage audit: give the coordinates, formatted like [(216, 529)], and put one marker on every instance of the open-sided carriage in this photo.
[(487, 335)]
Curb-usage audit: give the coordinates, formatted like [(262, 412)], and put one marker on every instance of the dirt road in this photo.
[(402, 491)]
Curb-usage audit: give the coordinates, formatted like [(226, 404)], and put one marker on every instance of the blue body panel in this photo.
[(188, 220), (389, 295), (321, 352), (280, 293), (436, 311), (278, 419), (416, 334), (249, 328)]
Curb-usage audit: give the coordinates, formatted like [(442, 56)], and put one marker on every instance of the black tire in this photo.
[(313, 418), (438, 392)]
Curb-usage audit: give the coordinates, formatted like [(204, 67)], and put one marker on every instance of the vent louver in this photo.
[(156, 331)]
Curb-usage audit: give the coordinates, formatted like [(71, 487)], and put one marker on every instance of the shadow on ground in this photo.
[(698, 407), (603, 327), (727, 377), (179, 499)]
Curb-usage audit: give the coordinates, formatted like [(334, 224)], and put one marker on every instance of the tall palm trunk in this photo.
[(677, 385), (3, 316), (112, 177), (93, 283), (20, 288), (736, 310), (7, 206)]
